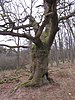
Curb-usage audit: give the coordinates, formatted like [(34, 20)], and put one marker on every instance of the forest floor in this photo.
[(62, 89)]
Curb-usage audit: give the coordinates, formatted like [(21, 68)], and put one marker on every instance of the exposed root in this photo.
[(29, 83), (30, 77), (8, 80)]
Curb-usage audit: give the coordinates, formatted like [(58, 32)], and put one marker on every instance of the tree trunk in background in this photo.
[(56, 53), (71, 48), (61, 48)]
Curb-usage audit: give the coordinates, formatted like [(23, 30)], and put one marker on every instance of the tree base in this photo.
[(32, 83)]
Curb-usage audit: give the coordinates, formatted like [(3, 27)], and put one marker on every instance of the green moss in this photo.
[(33, 46), (31, 76), (8, 80), (44, 37), (29, 83), (45, 34)]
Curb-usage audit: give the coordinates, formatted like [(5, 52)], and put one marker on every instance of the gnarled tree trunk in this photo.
[(42, 45), (39, 67)]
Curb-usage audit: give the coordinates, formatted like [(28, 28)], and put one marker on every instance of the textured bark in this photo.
[(39, 67)]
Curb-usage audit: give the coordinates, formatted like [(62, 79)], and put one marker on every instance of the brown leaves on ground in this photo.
[(62, 89)]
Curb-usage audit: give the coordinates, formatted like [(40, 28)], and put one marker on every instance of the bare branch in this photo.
[(22, 26), (17, 35), (14, 46), (68, 16), (18, 27)]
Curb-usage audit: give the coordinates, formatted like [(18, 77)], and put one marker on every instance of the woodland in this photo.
[(41, 64)]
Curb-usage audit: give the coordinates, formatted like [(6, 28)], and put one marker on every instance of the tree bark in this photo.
[(39, 68)]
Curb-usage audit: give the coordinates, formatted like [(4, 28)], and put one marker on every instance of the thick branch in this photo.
[(54, 29), (37, 41), (42, 27), (17, 35), (49, 6)]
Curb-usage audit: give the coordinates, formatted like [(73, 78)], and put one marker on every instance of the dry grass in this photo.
[(62, 89)]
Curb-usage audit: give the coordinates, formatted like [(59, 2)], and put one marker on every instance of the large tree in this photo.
[(43, 35)]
